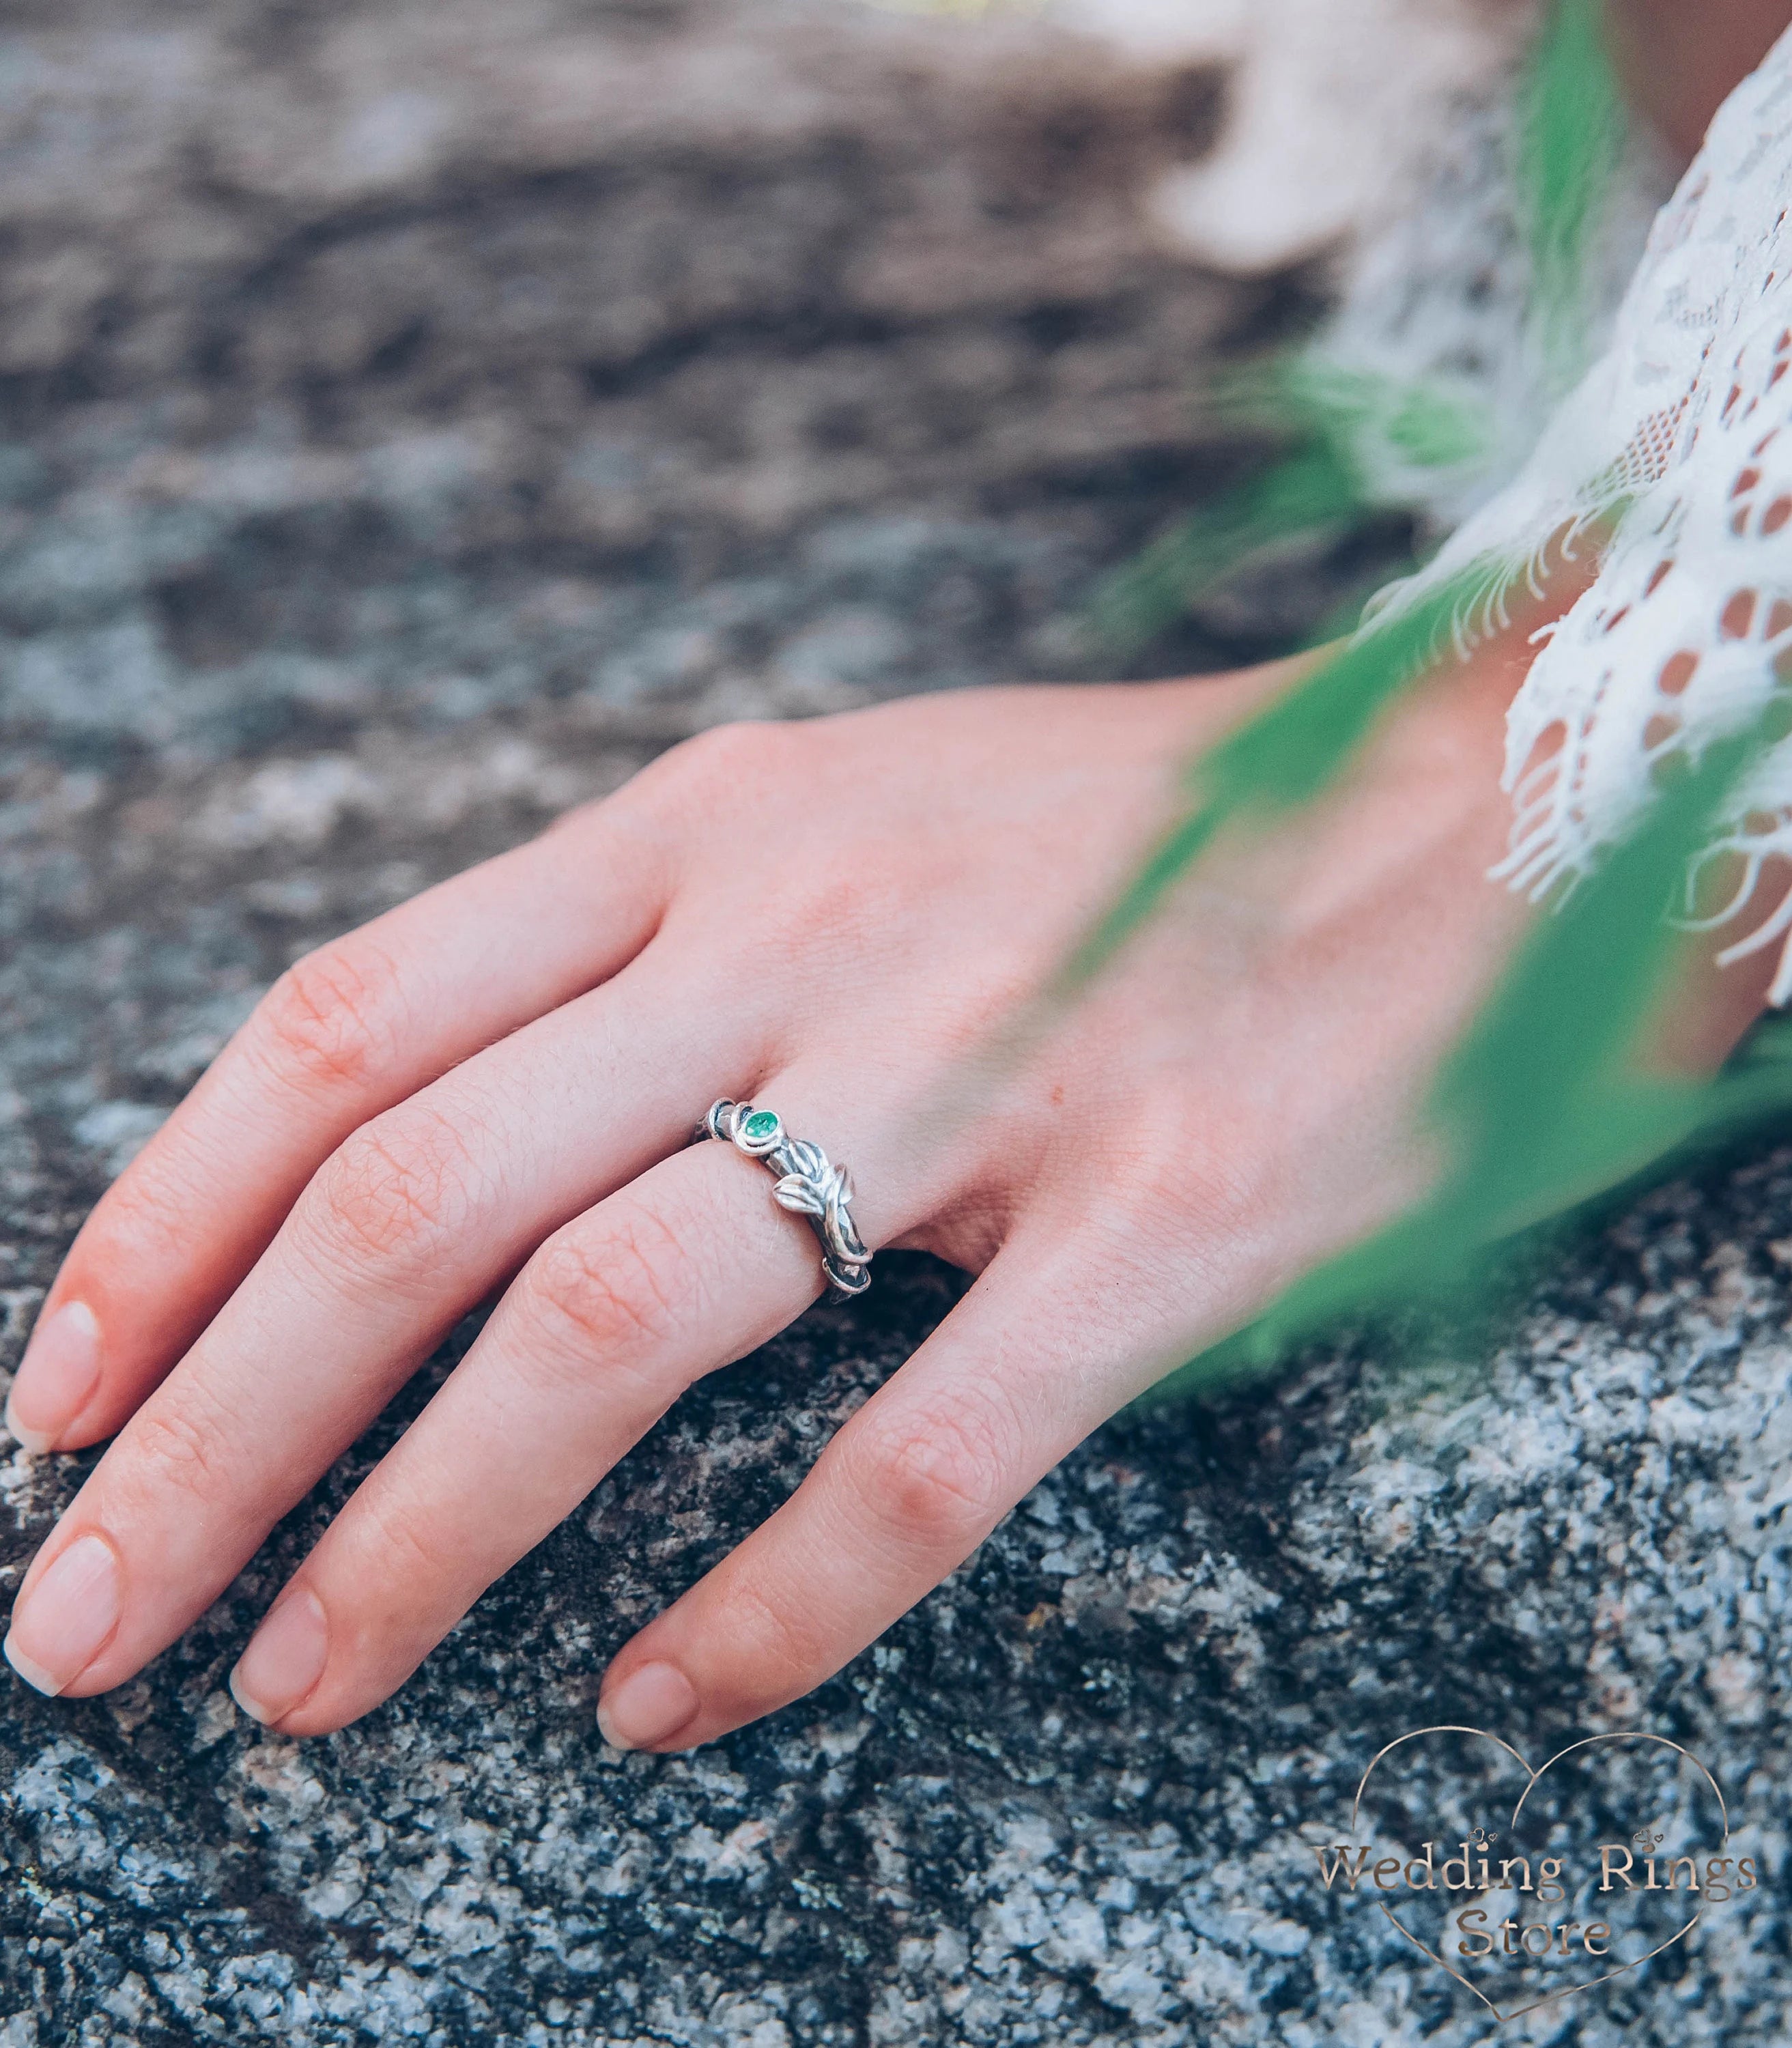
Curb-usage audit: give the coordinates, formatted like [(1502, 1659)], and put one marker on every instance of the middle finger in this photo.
[(687, 1267)]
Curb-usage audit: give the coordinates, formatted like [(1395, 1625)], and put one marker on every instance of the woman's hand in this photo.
[(492, 1088)]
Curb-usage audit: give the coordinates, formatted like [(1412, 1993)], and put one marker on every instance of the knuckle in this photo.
[(395, 1190), (332, 1017), (843, 911), (724, 752), (143, 1225), (935, 1474), (177, 1446), (1220, 1180), (773, 1638), (608, 1291), (721, 762), (396, 1542)]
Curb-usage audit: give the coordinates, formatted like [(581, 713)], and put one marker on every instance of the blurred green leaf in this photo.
[(1544, 1104), (1309, 492), (1317, 491), (1289, 753), (1572, 130), (1342, 431)]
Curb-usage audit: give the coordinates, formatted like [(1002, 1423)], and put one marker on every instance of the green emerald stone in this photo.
[(760, 1125)]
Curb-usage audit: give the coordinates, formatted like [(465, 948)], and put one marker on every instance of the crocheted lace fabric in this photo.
[(1671, 458), (1438, 297)]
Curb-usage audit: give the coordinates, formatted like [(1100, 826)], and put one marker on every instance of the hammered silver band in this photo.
[(807, 1185)]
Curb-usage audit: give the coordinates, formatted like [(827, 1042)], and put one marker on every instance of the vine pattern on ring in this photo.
[(807, 1185)]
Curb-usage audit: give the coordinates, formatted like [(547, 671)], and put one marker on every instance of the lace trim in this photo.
[(1673, 457)]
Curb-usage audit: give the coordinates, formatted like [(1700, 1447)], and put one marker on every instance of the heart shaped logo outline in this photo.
[(1532, 1779)]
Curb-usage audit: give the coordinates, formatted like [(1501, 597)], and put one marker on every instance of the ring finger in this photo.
[(688, 1268)]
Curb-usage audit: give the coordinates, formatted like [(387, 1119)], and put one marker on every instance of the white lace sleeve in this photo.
[(1677, 442)]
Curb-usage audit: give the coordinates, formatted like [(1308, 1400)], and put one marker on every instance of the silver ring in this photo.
[(807, 1185)]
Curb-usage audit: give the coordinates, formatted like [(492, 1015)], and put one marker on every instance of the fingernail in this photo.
[(649, 1705), (63, 1621), (284, 1658), (56, 1377)]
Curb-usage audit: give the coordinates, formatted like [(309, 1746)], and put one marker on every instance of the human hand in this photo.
[(498, 1080)]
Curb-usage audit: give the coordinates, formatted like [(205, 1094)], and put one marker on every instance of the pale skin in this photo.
[(489, 1091)]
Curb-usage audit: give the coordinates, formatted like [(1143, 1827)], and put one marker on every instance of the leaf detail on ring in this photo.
[(800, 1196), (808, 1159)]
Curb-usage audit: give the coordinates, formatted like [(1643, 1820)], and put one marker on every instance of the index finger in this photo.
[(350, 1030)]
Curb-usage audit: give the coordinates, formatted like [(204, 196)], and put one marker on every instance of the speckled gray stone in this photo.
[(395, 458)]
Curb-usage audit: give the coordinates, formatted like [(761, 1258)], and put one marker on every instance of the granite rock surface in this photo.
[(414, 420)]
